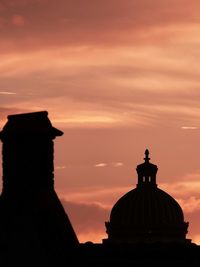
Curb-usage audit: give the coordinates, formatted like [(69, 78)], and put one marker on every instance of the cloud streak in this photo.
[(7, 93), (93, 22), (138, 94)]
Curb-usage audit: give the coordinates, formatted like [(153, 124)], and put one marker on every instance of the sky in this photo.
[(117, 76)]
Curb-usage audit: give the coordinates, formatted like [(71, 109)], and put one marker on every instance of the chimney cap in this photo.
[(29, 124)]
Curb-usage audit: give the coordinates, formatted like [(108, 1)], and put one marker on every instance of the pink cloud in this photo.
[(18, 20), (115, 23), (87, 219), (191, 204), (193, 231)]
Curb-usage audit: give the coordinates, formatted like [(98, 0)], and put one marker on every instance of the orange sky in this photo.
[(116, 76)]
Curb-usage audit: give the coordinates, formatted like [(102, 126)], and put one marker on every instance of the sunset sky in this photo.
[(117, 76)]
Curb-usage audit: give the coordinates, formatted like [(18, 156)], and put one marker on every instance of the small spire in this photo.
[(146, 155)]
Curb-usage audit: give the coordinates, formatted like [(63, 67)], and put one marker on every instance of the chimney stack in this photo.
[(29, 207)]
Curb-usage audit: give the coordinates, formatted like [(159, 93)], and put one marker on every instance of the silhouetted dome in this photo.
[(148, 207), (146, 213)]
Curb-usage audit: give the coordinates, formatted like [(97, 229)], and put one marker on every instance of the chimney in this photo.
[(29, 206)]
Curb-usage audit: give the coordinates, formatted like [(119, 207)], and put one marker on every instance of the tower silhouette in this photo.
[(146, 214), (32, 220)]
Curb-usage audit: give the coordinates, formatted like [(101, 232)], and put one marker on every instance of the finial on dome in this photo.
[(146, 155)]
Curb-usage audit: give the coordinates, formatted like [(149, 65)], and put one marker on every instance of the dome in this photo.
[(146, 213), (146, 207)]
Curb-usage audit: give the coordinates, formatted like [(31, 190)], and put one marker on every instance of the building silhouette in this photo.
[(146, 213), (33, 223), (146, 226)]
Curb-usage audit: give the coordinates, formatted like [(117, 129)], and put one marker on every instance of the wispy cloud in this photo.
[(189, 127), (60, 167), (113, 21), (88, 119), (103, 195), (117, 164), (102, 164), (7, 93), (113, 164), (190, 204), (87, 219)]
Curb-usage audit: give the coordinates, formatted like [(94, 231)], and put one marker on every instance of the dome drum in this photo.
[(134, 233)]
